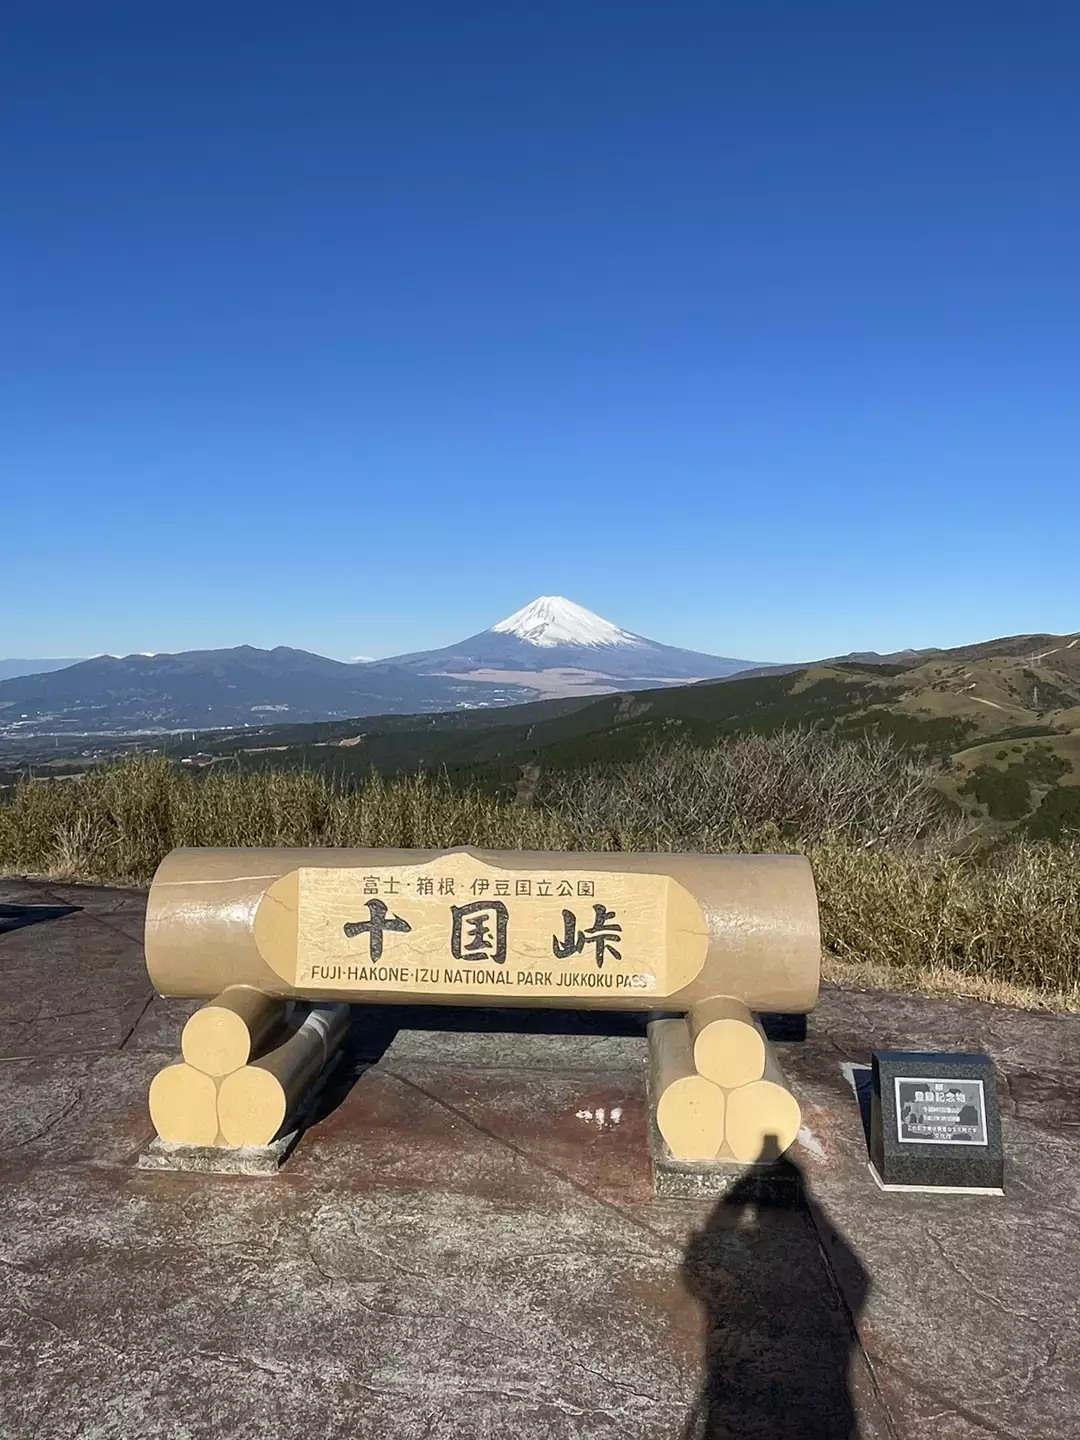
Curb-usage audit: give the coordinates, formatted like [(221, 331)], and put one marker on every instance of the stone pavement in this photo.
[(465, 1243)]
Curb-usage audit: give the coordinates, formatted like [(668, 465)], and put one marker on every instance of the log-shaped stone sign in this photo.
[(716, 936), (608, 931)]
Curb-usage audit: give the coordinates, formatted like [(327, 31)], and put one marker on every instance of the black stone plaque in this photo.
[(934, 1121)]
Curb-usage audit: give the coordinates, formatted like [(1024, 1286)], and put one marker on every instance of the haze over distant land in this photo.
[(12, 667), (1002, 715), (551, 649)]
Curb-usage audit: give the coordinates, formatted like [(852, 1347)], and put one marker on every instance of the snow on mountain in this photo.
[(552, 620), (562, 648)]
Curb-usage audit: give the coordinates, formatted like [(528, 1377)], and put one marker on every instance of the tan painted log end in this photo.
[(729, 1047), (183, 1106), (252, 1107), (763, 1119), (689, 1108), (231, 1030), (255, 1101), (295, 923)]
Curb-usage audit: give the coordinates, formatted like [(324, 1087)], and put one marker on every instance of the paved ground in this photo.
[(466, 1243)]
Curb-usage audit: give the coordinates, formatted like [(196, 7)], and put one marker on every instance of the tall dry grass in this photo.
[(905, 893), (116, 824), (1007, 921)]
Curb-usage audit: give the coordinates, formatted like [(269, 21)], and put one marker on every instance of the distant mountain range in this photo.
[(201, 689), (550, 648), (1002, 717)]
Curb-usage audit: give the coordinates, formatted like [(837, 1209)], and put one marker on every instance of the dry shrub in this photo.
[(77, 851), (753, 791), (117, 823)]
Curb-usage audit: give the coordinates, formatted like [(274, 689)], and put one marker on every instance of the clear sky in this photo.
[(753, 326)]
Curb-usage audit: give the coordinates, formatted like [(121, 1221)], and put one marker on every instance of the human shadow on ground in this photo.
[(16, 917), (779, 1319)]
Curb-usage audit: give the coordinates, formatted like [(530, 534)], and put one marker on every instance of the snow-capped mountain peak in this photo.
[(567, 650), (552, 620)]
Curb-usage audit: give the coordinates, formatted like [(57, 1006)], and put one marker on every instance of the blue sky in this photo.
[(753, 327)]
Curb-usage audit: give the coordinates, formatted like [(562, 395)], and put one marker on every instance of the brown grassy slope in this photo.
[(996, 692), (948, 701), (1042, 646), (1010, 708)]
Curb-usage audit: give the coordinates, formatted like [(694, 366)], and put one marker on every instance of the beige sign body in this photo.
[(460, 926), (606, 930)]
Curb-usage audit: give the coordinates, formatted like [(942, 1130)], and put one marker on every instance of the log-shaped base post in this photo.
[(753, 1121), (183, 1106), (763, 1117), (729, 1047), (689, 1108), (254, 1102)]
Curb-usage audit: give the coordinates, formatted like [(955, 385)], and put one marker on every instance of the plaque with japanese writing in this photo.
[(940, 1112), (457, 925)]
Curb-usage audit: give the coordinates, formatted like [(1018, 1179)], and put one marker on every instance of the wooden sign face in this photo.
[(457, 926)]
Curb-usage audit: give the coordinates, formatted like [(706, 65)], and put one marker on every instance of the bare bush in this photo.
[(117, 823), (77, 851), (753, 791)]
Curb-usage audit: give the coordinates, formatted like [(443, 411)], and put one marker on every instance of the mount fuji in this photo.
[(561, 648)]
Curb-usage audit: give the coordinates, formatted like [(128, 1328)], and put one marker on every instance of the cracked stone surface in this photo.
[(465, 1242)]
